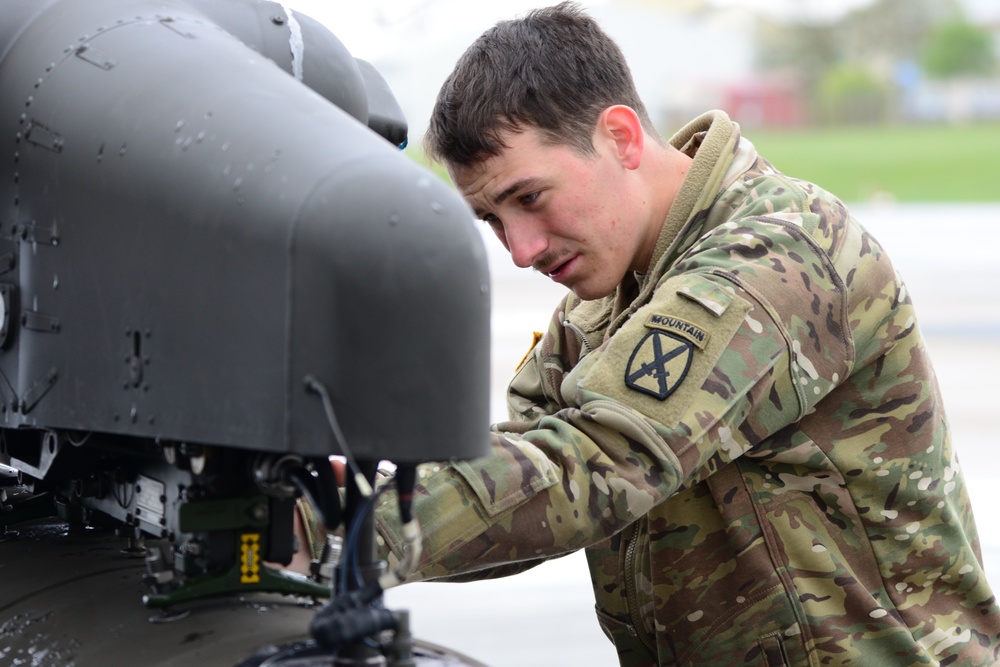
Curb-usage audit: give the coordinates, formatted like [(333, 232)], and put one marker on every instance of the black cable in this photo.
[(346, 628), (406, 480), (351, 617), (313, 384), (320, 491), (350, 563)]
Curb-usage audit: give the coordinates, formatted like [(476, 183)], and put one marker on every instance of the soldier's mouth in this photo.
[(562, 271)]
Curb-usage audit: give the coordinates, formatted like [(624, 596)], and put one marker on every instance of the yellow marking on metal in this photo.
[(250, 558)]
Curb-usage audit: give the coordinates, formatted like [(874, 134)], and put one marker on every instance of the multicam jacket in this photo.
[(748, 441)]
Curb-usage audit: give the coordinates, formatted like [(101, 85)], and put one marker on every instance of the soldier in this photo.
[(732, 411)]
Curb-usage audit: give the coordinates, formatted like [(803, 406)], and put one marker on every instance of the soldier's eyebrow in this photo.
[(530, 183)]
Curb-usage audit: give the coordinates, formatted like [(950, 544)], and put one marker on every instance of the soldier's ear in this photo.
[(621, 126)]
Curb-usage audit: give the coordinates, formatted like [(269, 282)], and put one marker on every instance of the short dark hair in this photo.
[(554, 69)]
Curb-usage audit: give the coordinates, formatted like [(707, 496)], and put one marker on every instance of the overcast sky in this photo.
[(374, 28), (415, 43)]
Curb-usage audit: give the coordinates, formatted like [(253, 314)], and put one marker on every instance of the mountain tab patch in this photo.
[(679, 327)]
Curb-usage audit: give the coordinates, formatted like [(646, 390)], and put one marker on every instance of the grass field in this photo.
[(935, 163), (939, 163)]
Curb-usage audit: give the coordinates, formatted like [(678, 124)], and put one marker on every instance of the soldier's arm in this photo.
[(719, 359)]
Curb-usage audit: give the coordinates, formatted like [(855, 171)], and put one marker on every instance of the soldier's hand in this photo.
[(339, 469)]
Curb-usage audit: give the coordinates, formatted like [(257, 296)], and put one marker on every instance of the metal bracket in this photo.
[(236, 582), (7, 303), (39, 389), (36, 321), (170, 24), (95, 57), (48, 449), (43, 137)]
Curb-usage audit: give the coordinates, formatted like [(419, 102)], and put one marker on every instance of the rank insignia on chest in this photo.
[(659, 363)]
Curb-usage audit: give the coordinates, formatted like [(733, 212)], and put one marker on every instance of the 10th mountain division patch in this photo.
[(659, 363)]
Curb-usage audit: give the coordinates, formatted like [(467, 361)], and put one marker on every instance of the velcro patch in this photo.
[(679, 327), (659, 363), (629, 367)]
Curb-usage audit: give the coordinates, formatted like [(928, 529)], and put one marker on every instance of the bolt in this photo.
[(259, 512)]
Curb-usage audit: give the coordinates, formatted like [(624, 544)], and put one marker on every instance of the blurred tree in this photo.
[(808, 49), (850, 94), (847, 66), (888, 31), (958, 48)]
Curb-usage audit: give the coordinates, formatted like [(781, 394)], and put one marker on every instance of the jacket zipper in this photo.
[(583, 339), (631, 593)]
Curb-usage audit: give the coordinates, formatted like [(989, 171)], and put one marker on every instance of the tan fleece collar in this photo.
[(714, 152)]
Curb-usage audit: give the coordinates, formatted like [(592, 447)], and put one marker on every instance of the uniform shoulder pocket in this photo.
[(657, 363)]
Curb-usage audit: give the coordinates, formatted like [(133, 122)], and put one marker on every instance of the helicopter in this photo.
[(217, 270)]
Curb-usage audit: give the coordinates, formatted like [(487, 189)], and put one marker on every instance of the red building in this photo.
[(771, 102)]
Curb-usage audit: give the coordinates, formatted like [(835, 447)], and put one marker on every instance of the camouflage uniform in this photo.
[(749, 443)]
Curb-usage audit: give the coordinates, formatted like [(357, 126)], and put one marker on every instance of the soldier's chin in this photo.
[(589, 285), (589, 292)]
